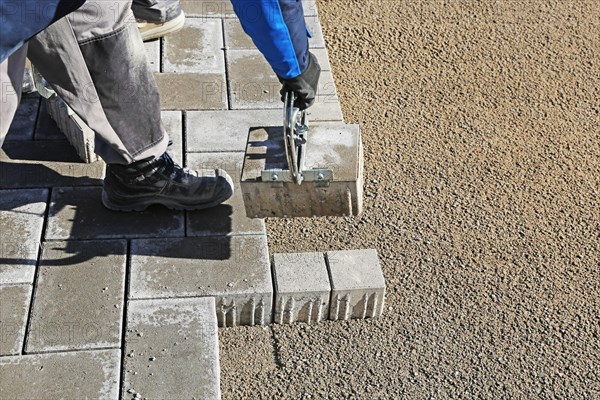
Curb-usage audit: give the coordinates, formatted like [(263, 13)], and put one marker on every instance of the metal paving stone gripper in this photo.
[(302, 172)]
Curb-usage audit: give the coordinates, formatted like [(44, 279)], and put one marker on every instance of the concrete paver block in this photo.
[(357, 284), (45, 127), (197, 48), (78, 300), (172, 349), (208, 8), (302, 287), (23, 123), (253, 84), (235, 270), (336, 147), (45, 163), (77, 132), (225, 131), (14, 307), (230, 217), (78, 213), (173, 123), (310, 8), (323, 58), (153, 52), (71, 375), (190, 91), (236, 38), (22, 219), (326, 109), (224, 8)]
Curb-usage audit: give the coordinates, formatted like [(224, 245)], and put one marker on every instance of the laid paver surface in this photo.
[(153, 286), (78, 213), (22, 127), (41, 164)]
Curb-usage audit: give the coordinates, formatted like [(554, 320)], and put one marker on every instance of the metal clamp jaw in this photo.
[(295, 136)]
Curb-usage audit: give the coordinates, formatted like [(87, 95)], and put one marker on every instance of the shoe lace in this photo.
[(171, 168)]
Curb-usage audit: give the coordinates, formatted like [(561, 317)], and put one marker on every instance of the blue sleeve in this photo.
[(278, 30), (23, 19)]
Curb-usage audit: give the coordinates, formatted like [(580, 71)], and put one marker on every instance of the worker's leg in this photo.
[(95, 60), (11, 79)]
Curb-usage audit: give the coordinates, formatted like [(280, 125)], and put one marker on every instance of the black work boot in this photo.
[(136, 186)]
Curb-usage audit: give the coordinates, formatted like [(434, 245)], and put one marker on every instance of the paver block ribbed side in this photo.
[(75, 129)]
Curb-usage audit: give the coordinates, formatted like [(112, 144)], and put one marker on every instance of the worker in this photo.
[(92, 55)]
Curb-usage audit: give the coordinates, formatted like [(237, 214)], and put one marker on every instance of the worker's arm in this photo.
[(278, 30)]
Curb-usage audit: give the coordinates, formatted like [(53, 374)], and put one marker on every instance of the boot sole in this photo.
[(142, 205)]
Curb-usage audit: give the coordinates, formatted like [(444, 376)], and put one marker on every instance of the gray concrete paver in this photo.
[(23, 123), (153, 52), (22, 219), (70, 375), (45, 127), (235, 270), (14, 307), (173, 123), (40, 164), (224, 8), (230, 217), (236, 38), (326, 109), (208, 8), (190, 91), (302, 287), (172, 350), (78, 214), (197, 48), (225, 131), (78, 300), (253, 84), (358, 285), (335, 147)]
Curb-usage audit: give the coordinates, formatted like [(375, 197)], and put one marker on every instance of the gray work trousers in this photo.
[(95, 60)]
